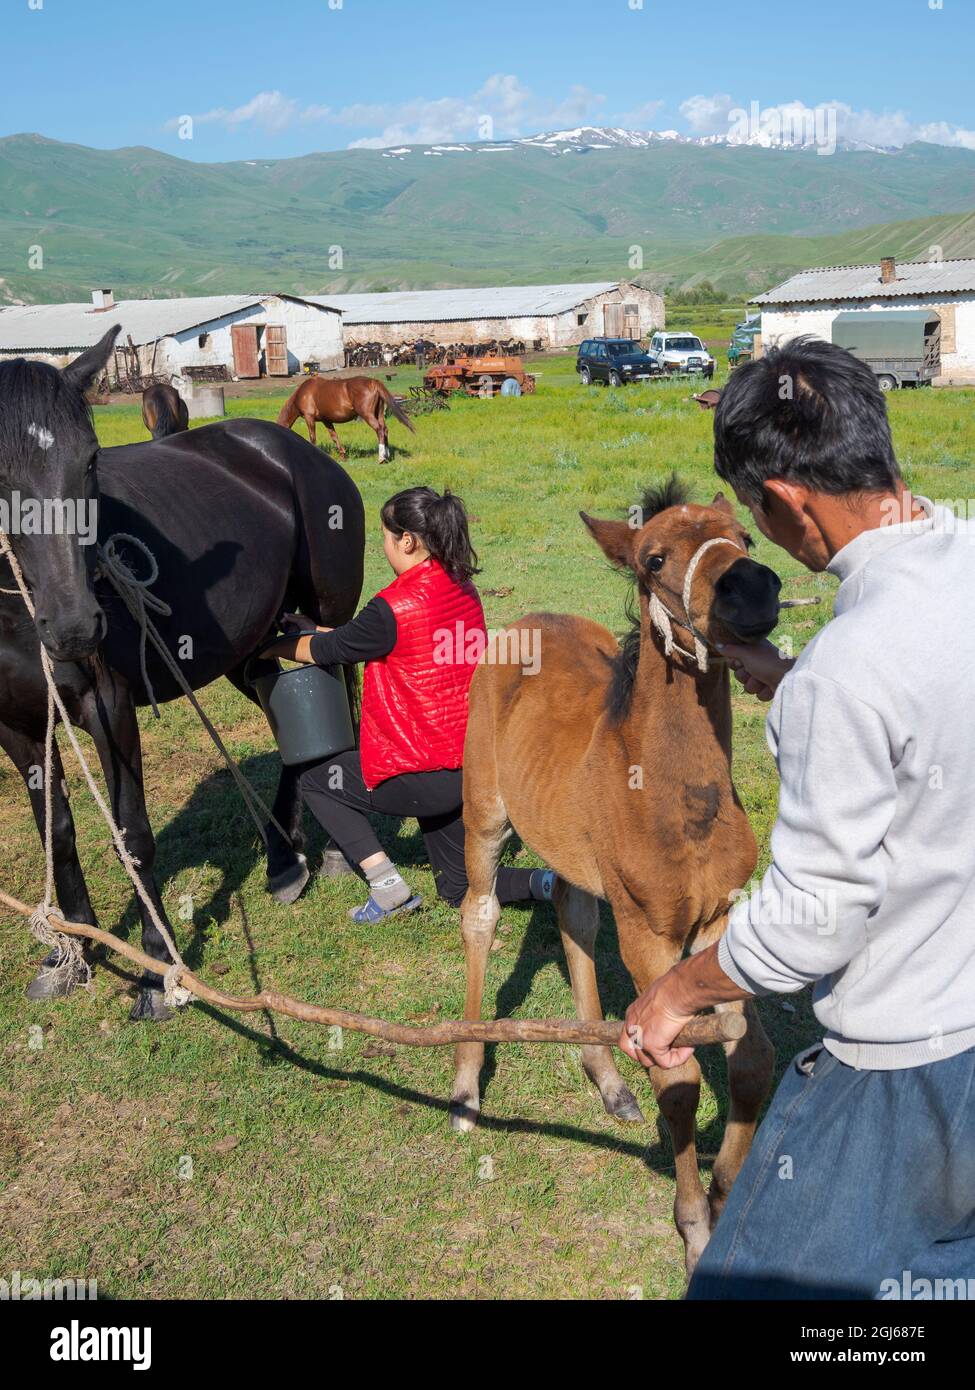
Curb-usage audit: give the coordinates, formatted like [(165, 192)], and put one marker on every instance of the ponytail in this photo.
[(440, 523)]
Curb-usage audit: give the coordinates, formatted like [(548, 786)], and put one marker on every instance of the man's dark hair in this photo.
[(808, 412)]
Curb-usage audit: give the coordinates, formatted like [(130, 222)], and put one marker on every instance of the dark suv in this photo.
[(613, 360)]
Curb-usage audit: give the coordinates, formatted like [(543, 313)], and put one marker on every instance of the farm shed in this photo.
[(550, 315), (810, 301), (241, 335)]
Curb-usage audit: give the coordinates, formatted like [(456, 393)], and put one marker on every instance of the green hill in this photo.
[(146, 222)]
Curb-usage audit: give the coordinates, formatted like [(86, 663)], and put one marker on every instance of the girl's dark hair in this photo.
[(439, 522)]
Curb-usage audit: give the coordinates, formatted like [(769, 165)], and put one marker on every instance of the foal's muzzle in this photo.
[(746, 600)]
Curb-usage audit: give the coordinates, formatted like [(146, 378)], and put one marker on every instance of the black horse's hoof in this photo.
[(150, 1006), (52, 982), (334, 865), (288, 886), (47, 984)]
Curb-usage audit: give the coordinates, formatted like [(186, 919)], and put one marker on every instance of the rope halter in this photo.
[(663, 620)]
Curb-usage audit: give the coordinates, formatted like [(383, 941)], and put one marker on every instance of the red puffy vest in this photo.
[(414, 701)]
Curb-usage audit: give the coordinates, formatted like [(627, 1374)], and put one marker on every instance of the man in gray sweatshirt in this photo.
[(861, 1180)]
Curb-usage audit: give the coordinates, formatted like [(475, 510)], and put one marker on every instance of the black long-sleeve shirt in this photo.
[(369, 636)]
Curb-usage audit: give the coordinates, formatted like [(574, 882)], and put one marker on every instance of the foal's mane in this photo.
[(619, 694), (34, 395)]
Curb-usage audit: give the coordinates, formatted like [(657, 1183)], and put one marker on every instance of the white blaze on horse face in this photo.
[(44, 437)]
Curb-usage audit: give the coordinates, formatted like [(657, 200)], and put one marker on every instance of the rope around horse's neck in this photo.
[(663, 620), (69, 959)]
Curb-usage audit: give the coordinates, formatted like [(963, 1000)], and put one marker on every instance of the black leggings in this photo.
[(340, 800)]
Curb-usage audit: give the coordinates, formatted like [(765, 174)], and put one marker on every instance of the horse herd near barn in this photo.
[(546, 757)]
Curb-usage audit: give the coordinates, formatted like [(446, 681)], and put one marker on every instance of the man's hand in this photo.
[(759, 666), (650, 1027), (653, 1021)]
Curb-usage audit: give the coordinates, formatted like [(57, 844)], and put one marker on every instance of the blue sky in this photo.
[(262, 80)]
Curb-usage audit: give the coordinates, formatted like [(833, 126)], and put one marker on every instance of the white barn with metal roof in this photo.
[(810, 301), (543, 315), (244, 334)]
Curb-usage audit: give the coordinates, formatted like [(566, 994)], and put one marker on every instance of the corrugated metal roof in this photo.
[(442, 306), (56, 327), (863, 282)]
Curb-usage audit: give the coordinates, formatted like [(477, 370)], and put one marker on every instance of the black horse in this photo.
[(245, 520)]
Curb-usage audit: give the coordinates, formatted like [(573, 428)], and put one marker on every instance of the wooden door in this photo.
[(243, 336), (613, 320), (276, 349)]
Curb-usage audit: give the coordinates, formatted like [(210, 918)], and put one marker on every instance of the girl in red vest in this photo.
[(420, 639)]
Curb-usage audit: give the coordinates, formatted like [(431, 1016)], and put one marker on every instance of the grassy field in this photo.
[(222, 1156)]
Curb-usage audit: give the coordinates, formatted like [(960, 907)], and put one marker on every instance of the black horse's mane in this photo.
[(33, 396), (619, 694)]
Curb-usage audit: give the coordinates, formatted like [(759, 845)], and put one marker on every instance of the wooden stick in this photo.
[(705, 1029)]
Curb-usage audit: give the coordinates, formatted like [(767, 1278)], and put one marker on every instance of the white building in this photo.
[(546, 316), (810, 301), (246, 335)]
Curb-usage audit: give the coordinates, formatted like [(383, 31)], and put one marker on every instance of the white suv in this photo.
[(681, 352)]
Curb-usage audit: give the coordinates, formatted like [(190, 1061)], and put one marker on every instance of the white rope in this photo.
[(663, 620), (175, 994), (134, 594)]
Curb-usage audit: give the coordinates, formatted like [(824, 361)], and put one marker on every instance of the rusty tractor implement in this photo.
[(480, 376)]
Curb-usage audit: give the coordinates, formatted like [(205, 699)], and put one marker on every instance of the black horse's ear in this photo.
[(83, 371)]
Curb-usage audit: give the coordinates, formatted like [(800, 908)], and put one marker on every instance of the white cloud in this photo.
[(642, 117), (707, 115), (712, 115), (271, 112), (504, 108)]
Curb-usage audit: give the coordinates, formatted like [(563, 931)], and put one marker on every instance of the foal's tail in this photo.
[(394, 407), (290, 411)]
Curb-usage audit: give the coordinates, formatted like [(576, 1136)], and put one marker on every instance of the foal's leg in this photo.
[(484, 838), (110, 720), (27, 755), (678, 1089), (310, 423), (751, 1060), (578, 914)]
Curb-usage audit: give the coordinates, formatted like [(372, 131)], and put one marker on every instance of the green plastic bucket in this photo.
[(308, 711)]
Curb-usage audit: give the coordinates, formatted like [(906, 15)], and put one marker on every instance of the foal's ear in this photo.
[(82, 372), (721, 504), (614, 538)]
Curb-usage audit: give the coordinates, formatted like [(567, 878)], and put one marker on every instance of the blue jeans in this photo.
[(860, 1184)]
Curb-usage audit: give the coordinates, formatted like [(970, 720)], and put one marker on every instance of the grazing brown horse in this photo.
[(164, 411), (614, 765), (338, 402)]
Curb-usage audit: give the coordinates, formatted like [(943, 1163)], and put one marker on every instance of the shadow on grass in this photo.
[(213, 830)]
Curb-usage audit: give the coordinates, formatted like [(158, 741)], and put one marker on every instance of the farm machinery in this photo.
[(480, 376)]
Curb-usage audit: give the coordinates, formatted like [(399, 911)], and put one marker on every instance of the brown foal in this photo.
[(614, 765), (337, 402)]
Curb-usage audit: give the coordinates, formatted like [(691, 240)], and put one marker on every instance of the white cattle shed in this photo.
[(810, 301), (549, 316), (233, 335)]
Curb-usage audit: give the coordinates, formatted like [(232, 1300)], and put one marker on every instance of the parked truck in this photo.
[(901, 346)]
